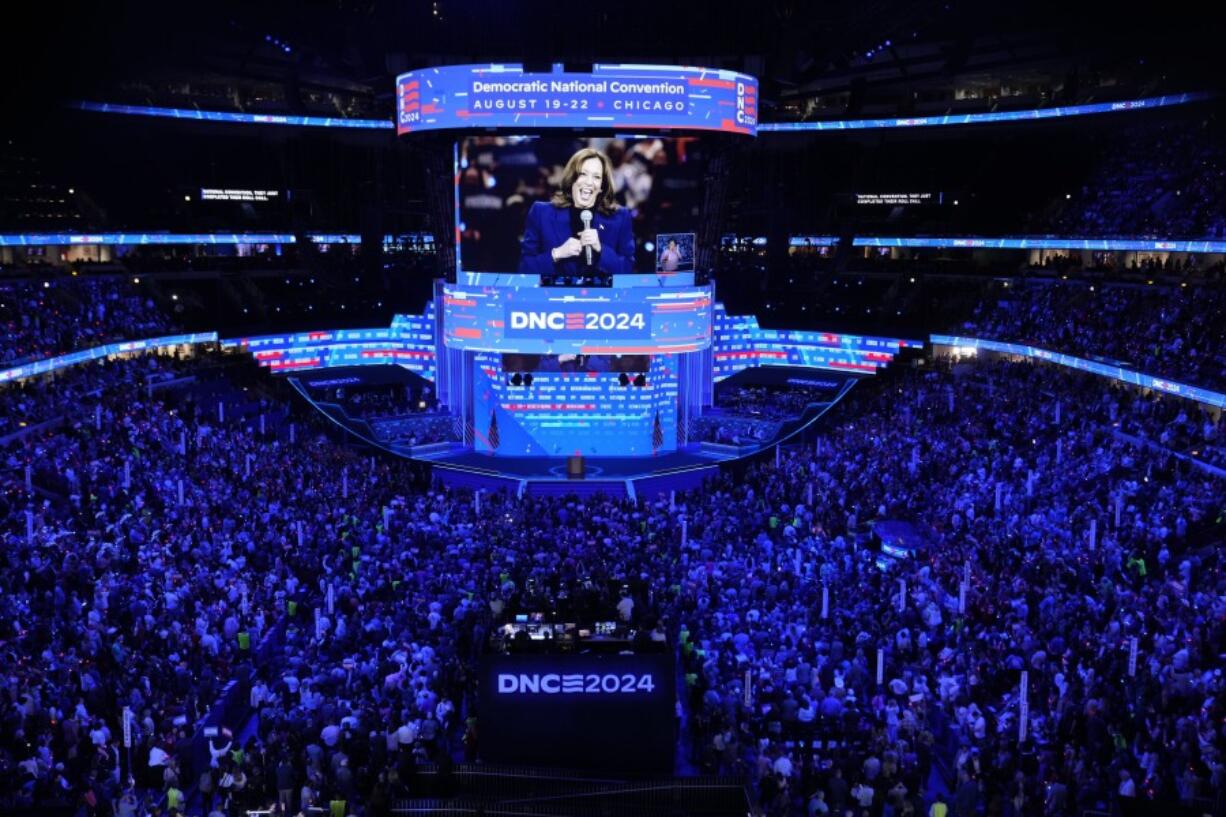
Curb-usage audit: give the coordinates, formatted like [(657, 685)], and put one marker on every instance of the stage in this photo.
[(616, 476), (546, 365), (431, 435)]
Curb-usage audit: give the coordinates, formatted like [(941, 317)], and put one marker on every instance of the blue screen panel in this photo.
[(1121, 373), (52, 364), (740, 343), (241, 118), (982, 118), (151, 239), (631, 97), (564, 413), (408, 342), (159, 239), (1027, 243), (561, 320)]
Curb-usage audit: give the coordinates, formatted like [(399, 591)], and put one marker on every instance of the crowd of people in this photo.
[(43, 317), (420, 429), (158, 548), (149, 553), (1042, 597), (372, 595), (1169, 332), (767, 402), (393, 400), (732, 430), (28, 403), (747, 414), (1166, 180)]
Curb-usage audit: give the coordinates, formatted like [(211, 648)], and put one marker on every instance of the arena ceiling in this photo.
[(345, 53)]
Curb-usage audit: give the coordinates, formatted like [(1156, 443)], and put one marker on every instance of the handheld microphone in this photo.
[(586, 217)]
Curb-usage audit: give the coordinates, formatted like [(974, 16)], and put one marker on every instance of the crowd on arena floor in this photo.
[(127, 596), (159, 548)]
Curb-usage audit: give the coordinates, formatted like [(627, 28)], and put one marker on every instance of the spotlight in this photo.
[(640, 381)]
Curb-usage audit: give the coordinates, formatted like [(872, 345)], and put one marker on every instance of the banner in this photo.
[(556, 320), (638, 97)]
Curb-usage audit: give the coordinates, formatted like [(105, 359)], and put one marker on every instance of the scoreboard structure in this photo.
[(611, 95), (532, 374)]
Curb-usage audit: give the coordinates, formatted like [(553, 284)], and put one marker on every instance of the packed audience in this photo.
[(392, 400), (767, 402), (29, 402), (151, 554), (747, 414), (356, 601), (421, 429), (731, 430), (1174, 333), (41, 318), (1041, 598), (1166, 180)]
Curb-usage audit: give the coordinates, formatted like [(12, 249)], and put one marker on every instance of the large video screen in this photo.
[(520, 203), (611, 96), (528, 319)]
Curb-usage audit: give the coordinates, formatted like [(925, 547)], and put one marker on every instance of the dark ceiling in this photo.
[(103, 49)]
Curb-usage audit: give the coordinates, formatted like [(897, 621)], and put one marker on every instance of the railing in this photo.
[(1120, 373), (52, 364)]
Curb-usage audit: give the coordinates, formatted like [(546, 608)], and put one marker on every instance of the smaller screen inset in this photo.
[(674, 253)]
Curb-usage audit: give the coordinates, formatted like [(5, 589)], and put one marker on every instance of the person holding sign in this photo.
[(581, 234)]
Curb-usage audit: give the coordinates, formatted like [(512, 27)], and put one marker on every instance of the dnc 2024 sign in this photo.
[(579, 710)]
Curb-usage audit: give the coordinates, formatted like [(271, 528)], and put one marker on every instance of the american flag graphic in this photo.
[(492, 432)]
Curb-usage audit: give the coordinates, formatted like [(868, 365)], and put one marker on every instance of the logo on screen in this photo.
[(743, 114), (551, 683), (523, 320), (538, 320)]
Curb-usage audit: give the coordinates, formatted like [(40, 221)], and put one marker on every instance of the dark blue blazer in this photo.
[(548, 227)]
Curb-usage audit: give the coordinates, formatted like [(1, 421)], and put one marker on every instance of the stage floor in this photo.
[(598, 468), (461, 466)]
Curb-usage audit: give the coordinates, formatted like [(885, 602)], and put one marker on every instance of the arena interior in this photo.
[(456, 408)]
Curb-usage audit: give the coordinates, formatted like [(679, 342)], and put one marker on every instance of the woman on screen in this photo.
[(556, 243), (670, 258)]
